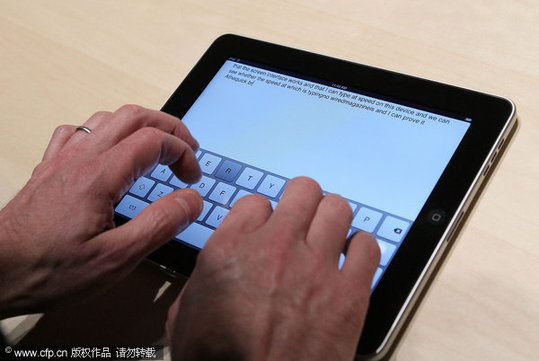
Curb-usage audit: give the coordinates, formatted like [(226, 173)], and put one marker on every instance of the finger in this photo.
[(248, 214), (297, 207), (362, 259), (97, 119), (327, 234), (174, 309), (154, 226), (92, 123), (173, 312), (59, 138), (130, 118), (136, 154)]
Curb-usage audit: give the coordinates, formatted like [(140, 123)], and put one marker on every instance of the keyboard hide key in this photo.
[(130, 206)]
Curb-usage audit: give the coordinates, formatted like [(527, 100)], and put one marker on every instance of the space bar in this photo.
[(195, 234)]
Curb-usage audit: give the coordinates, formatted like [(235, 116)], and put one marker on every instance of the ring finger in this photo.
[(327, 233), (92, 124)]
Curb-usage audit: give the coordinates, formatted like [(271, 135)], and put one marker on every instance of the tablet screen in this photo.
[(258, 127)]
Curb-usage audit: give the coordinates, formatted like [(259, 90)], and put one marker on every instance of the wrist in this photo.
[(13, 266)]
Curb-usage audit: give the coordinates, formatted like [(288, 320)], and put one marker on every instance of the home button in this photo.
[(436, 216)]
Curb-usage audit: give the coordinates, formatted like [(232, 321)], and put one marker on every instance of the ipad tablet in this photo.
[(408, 153)]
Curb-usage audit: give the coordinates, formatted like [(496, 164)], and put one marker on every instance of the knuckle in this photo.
[(130, 111), (308, 184), (148, 134), (337, 201), (252, 201), (339, 204), (100, 114), (62, 129), (40, 168)]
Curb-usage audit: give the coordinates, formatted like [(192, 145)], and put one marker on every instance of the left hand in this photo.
[(57, 237)]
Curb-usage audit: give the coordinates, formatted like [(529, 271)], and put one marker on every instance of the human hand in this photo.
[(57, 237), (267, 286)]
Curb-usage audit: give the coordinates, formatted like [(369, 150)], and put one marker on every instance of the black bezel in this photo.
[(489, 114)]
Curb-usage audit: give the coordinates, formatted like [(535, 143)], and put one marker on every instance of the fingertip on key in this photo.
[(191, 201)]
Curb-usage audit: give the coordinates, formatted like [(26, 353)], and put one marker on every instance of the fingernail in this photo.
[(365, 233), (191, 201)]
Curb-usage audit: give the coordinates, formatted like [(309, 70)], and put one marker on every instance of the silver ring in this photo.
[(83, 128)]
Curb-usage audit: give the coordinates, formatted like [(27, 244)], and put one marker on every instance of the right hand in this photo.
[(267, 284)]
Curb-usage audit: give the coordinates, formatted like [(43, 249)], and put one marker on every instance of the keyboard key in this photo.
[(249, 178), (222, 193), (178, 183), (196, 235), (271, 186), (366, 219), (273, 204), (228, 171), (159, 191), (393, 229), (209, 162), (386, 250), (376, 278), (142, 186), (341, 260), (205, 210), (198, 154), (217, 216), (162, 172), (204, 185), (130, 206), (241, 193)]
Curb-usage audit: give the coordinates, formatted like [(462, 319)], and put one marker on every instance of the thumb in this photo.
[(155, 225), (173, 312)]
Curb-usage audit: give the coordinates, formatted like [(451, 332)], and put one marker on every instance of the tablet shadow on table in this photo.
[(128, 314)]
